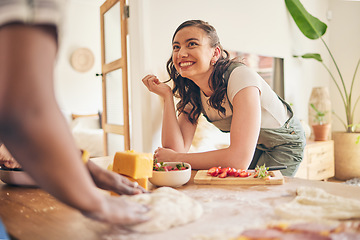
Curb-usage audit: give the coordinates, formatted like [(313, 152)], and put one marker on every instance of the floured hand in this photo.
[(119, 211), (112, 181)]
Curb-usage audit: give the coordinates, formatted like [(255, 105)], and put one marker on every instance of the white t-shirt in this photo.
[(36, 12), (274, 113)]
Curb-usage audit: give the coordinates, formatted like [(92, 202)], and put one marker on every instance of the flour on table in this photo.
[(169, 208), (315, 203)]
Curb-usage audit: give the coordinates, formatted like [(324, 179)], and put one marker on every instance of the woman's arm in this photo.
[(244, 134), (177, 132)]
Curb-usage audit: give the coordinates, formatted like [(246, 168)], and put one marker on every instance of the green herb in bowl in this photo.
[(161, 166), (170, 174)]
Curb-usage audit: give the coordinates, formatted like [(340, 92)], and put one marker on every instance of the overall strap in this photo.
[(224, 124), (230, 69), (227, 76), (290, 111)]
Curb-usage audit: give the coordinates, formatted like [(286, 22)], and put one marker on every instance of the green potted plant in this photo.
[(322, 127), (347, 152)]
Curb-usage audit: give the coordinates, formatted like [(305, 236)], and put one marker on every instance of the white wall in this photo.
[(345, 46), (259, 26), (79, 92)]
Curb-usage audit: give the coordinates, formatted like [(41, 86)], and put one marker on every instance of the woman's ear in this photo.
[(217, 52)]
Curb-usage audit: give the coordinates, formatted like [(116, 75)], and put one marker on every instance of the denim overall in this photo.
[(282, 146)]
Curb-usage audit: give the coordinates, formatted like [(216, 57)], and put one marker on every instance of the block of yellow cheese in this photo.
[(85, 156), (133, 164), (141, 181), (110, 167)]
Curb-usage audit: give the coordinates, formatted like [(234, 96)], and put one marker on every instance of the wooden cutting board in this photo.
[(202, 177)]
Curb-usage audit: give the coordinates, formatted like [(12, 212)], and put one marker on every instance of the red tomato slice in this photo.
[(224, 174), (157, 165), (232, 172), (227, 170), (244, 174), (237, 173), (214, 171), (168, 168)]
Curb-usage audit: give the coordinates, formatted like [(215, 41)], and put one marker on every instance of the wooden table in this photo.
[(30, 213)]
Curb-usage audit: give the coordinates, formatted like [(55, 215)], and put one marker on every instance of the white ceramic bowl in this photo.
[(16, 177), (171, 178)]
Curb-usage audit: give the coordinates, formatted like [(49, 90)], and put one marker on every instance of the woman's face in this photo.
[(192, 53)]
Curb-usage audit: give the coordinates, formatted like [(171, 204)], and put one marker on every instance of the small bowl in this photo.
[(171, 178), (16, 177)]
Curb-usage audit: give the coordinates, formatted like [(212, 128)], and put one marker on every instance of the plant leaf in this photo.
[(315, 56), (309, 25)]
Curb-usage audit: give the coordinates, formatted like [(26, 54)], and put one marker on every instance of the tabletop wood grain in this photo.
[(31, 213)]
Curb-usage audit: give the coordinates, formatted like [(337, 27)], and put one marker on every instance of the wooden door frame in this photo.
[(117, 64)]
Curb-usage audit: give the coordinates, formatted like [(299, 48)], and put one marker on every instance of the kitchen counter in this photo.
[(30, 213)]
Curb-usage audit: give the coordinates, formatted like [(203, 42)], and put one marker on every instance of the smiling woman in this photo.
[(192, 55), (233, 97)]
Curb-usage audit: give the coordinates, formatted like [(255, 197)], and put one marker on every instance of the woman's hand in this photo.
[(120, 211), (165, 155), (154, 85), (112, 181)]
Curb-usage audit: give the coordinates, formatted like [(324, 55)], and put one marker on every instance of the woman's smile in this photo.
[(186, 64), (192, 54)]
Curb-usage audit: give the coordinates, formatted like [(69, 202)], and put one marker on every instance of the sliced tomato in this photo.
[(244, 174), (214, 171), (168, 168), (232, 171), (223, 174), (227, 169), (237, 173)]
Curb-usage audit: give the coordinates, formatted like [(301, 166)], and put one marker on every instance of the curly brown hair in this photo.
[(187, 90)]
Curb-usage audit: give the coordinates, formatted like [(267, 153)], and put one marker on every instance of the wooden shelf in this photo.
[(318, 162)]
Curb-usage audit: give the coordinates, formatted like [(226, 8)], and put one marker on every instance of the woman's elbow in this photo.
[(176, 148), (238, 159), (180, 148)]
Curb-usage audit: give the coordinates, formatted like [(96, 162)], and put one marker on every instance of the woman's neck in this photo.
[(203, 84), (208, 94)]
